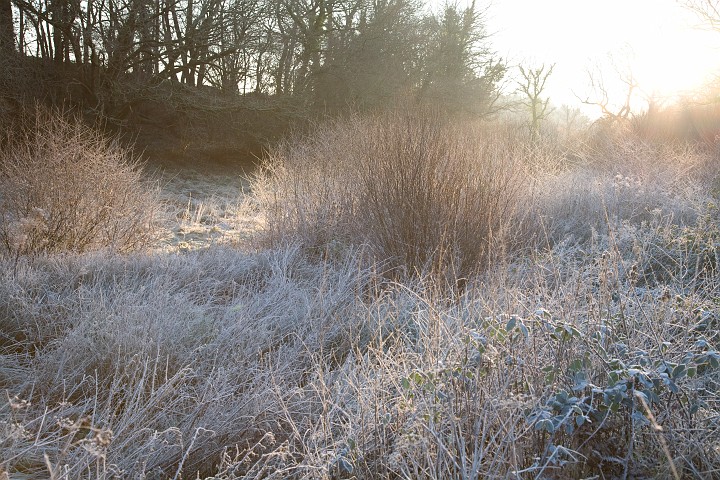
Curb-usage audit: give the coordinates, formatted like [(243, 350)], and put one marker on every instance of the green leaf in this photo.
[(671, 386), (344, 465), (524, 330), (714, 358), (545, 424), (562, 396), (645, 381), (580, 384), (576, 365), (640, 418)]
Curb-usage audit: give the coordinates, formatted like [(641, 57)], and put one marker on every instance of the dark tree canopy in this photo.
[(327, 55)]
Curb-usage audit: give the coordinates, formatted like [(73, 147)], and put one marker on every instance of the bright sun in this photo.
[(671, 57), (659, 40)]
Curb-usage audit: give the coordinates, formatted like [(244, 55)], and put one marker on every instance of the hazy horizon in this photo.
[(661, 39)]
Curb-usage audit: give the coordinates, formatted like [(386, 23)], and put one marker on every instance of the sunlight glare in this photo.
[(660, 40), (670, 56)]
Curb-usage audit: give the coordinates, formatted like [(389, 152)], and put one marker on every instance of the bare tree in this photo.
[(245, 35), (707, 10), (459, 70), (327, 54), (372, 54), (570, 120), (600, 93), (532, 87)]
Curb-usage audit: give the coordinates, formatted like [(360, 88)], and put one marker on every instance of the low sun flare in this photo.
[(661, 44), (672, 61)]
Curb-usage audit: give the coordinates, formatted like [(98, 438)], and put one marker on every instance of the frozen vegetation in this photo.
[(397, 296)]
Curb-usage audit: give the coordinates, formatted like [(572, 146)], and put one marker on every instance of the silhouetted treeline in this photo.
[(326, 55)]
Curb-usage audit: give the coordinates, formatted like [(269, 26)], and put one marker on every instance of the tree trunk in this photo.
[(7, 33), (58, 43)]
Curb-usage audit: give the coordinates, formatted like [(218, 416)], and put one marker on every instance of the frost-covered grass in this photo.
[(587, 348), (206, 206)]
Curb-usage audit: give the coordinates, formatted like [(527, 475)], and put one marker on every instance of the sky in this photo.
[(661, 39)]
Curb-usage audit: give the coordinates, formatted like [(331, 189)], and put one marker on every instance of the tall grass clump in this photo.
[(135, 366), (425, 194), (66, 187), (573, 363), (621, 178)]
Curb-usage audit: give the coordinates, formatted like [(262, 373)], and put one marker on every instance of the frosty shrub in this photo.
[(425, 194), (66, 187)]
